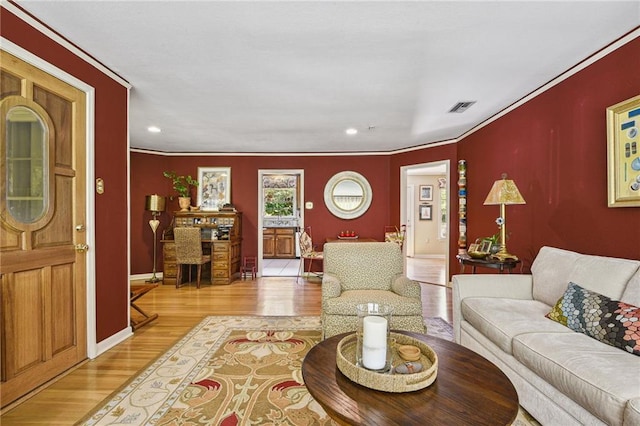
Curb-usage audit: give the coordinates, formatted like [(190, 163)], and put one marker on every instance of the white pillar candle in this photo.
[(374, 342)]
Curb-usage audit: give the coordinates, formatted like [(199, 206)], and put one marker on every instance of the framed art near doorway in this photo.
[(426, 212), (426, 192)]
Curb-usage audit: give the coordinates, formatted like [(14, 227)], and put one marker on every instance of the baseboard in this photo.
[(138, 277), (112, 341)]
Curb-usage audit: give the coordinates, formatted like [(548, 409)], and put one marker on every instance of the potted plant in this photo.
[(182, 185)]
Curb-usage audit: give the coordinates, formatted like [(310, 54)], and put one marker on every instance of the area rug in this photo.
[(229, 371)]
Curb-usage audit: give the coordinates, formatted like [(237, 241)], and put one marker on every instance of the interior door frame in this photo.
[(259, 221), (405, 214), (89, 91)]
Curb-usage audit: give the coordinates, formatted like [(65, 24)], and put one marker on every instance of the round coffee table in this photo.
[(468, 390)]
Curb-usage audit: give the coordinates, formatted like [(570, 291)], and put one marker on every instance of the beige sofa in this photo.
[(355, 273), (563, 377)]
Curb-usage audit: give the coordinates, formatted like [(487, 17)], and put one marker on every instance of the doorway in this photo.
[(280, 218), (425, 210)]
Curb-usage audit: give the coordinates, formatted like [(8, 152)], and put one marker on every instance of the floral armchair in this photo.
[(367, 272)]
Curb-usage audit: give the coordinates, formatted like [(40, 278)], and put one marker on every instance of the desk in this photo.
[(468, 390), (465, 259), (136, 293)]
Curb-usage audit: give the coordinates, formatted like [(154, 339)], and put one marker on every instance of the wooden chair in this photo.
[(249, 265), (189, 252), (308, 254)]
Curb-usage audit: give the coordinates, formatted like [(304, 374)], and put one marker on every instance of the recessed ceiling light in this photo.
[(154, 129), (351, 131)]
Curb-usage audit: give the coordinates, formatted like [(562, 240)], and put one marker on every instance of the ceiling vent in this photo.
[(461, 106)]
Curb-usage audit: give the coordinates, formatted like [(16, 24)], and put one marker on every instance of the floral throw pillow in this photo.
[(610, 321)]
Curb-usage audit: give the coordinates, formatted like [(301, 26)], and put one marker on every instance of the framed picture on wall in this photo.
[(426, 192), (426, 212), (214, 187), (623, 135)]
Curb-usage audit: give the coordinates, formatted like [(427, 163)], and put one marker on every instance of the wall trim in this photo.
[(114, 340), (54, 36)]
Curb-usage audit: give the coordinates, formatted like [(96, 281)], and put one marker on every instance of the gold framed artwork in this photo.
[(214, 188), (623, 153)]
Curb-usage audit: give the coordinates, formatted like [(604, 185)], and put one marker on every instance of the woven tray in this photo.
[(388, 382)]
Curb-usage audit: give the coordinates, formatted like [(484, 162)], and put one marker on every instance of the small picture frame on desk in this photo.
[(485, 246)]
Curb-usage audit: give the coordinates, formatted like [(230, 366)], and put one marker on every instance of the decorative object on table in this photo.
[(623, 153), (503, 192), (426, 193), (462, 207), (215, 187), (347, 235), (426, 212), (182, 185), (409, 352), (155, 204), (408, 368), (373, 345), (392, 380), (477, 250)]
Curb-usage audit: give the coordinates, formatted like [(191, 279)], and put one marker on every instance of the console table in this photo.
[(501, 265)]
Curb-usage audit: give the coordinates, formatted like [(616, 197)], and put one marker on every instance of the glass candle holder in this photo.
[(373, 350)]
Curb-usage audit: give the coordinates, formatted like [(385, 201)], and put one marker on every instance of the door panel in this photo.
[(42, 276)]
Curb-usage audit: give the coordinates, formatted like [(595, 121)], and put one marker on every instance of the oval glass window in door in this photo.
[(26, 164)]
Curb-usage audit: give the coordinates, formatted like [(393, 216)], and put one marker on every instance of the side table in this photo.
[(137, 291), (501, 265)]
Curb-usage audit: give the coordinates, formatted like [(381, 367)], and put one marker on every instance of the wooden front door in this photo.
[(42, 234)]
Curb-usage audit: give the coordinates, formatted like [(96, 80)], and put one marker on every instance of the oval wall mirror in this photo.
[(347, 195)]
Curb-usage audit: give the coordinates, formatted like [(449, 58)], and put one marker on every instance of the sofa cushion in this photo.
[(348, 300), (606, 275), (550, 270), (599, 377), (609, 321), (502, 319), (553, 268), (631, 293)]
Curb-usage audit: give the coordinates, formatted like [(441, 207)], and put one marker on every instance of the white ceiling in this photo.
[(271, 76)]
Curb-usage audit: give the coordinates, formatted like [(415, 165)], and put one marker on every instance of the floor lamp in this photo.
[(504, 192), (155, 204)]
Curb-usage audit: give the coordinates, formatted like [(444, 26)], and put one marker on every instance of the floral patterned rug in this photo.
[(229, 371)]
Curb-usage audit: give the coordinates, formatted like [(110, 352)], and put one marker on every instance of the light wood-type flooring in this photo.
[(72, 396)]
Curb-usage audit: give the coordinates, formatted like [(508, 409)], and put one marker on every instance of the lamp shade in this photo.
[(155, 203), (504, 191)]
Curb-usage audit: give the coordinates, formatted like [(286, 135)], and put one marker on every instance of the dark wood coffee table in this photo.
[(468, 390)]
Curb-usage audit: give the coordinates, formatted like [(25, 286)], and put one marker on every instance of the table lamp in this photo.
[(155, 204), (503, 192)]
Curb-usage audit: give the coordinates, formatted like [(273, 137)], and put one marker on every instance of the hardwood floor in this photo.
[(72, 396)]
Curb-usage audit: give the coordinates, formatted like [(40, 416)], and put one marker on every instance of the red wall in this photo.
[(555, 149), (112, 276), (146, 178)]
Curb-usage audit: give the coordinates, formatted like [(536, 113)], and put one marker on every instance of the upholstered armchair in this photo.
[(362, 273)]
